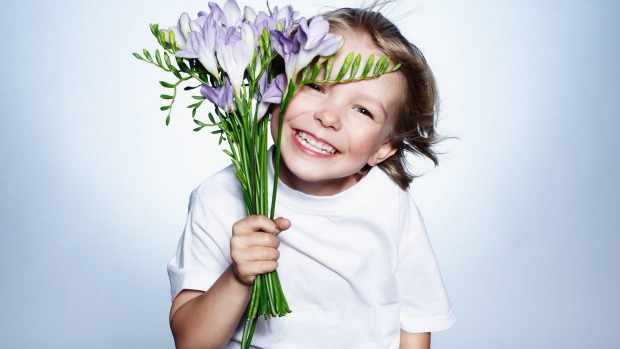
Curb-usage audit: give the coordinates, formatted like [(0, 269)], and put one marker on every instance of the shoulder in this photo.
[(221, 185)]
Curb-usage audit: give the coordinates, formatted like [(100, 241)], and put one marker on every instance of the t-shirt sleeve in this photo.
[(425, 306), (203, 252)]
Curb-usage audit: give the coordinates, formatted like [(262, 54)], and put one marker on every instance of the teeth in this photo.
[(313, 144)]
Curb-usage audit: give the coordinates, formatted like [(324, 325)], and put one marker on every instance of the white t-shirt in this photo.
[(355, 267)]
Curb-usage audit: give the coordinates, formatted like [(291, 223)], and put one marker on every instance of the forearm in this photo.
[(210, 319), (415, 340)]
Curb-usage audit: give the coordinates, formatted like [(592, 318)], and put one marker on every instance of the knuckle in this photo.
[(263, 220), (267, 239), (268, 266)]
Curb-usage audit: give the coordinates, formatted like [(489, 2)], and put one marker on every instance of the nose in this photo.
[(329, 116)]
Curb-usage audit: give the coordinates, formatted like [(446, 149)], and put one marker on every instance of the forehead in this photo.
[(386, 89)]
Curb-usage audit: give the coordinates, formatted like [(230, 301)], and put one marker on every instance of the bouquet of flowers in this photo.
[(242, 62)]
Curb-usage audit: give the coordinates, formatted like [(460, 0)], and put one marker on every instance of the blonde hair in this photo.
[(414, 126)]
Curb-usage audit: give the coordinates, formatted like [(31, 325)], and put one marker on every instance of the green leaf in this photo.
[(328, 68), (345, 66), (316, 70), (227, 152), (396, 67), (138, 57), (158, 57), (165, 107), (161, 38), (387, 64), (198, 122), (177, 74), (200, 98), (183, 66), (166, 84), (154, 28), (173, 41), (304, 73), (369, 62), (187, 88), (198, 129), (147, 55), (378, 66), (168, 120), (211, 118), (165, 97), (356, 65), (168, 63)]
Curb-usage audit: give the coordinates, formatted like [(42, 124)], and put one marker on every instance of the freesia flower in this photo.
[(249, 15), (234, 59), (285, 16), (287, 48), (315, 40), (263, 21), (221, 96), (185, 26), (229, 17), (271, 94), (202, 45)]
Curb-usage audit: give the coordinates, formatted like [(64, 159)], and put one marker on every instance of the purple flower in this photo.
[(202, 45), (271, 94), (315, 40), (234, 58), (311, 40), (285, 16), (263, 21), (287, 48), (229, 17), (222, 96), (249, 15), (185, 26)]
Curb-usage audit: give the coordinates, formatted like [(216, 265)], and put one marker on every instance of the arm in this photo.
[(208, 319), (415, 340)]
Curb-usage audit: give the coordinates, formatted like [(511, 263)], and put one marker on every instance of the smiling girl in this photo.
[(355, 261)]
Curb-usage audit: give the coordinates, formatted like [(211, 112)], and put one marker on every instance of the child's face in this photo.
[(330, 132)]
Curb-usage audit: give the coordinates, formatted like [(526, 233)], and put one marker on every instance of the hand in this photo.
[(254, 246)]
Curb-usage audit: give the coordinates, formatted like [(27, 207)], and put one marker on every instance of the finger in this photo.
[(257, 254), (262, 239), (254, 223), (282, 224)]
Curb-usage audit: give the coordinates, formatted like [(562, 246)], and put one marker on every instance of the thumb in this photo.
[(282, 224)]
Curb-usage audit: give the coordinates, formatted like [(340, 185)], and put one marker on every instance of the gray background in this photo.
[(522, 212)]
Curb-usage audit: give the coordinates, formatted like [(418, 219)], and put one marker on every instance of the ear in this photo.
[(386, 150)]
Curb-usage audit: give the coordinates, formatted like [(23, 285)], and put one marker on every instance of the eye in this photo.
[(364, 111), (315, 87)]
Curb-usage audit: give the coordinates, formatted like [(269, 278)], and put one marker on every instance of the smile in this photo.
[(313, 144)]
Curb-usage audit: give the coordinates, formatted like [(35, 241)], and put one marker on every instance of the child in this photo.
[(355, 262)]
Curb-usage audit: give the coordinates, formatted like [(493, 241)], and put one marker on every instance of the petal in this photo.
[(273, 93), (329, 46), (209, 93), (184, 25), (216, 13), (192, 49), (232, 13), (249, 15), (318, 28), (178, 37)]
